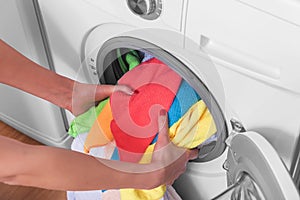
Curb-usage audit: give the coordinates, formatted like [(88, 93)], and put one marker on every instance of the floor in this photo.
[(8, 192)]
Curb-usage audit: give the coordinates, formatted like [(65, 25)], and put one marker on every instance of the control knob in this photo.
[(147, 9)]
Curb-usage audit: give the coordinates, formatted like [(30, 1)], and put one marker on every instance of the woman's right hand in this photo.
[(169, 160), (167, 164)]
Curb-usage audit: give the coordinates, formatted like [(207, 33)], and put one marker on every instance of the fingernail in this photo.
[(131, 92), (163, 112)]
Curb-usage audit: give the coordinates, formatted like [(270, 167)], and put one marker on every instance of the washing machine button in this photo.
[(147, 9)]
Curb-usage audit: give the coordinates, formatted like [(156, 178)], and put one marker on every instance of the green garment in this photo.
[(132, 60), (84, 122)]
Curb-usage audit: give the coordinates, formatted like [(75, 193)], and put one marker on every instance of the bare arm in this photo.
[(60, 169), (18, 71)]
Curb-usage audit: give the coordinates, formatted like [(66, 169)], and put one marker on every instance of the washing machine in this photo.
[(239, 55)]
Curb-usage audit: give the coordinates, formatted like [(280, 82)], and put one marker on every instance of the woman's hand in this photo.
[(167, 157), (168, 163), (84, 96)]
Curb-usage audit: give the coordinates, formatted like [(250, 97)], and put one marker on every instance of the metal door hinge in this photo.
[(237, 127)]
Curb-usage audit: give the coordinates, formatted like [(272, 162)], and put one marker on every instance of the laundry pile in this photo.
[(126, 126)]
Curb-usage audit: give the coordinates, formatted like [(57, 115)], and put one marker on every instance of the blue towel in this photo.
[(186, 97), (115, 155)]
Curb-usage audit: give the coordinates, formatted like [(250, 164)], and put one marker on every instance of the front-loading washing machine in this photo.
[(240, 58)]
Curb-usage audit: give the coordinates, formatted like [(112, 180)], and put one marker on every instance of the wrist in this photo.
[(62, 93), (148, 180), (134, 175), (104, 91)]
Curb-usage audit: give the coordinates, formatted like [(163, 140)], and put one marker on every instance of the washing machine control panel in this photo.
[(147, 9)]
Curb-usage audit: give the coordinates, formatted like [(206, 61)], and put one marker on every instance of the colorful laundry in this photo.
[(134, 194), (130, 122), (184, 99), (100, 132), (101, 152), (127, 59), (193, 128), (135, 117), (196, 126), (132, 59), (84, 122)]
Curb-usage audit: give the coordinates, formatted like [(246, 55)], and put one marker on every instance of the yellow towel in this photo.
[(193, 128), (135, 194)]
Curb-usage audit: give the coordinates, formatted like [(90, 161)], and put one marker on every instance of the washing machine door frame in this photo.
[(106, 37), (253, 162)]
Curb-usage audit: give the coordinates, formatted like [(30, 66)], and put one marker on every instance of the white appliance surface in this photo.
[(33, 116), (255, 79)]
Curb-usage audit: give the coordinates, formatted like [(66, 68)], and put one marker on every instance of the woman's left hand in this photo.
[(85, 95)]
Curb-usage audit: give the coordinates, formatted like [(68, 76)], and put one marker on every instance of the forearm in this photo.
[(18, 71), (67, 170)]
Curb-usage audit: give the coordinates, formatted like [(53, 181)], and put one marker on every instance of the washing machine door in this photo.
[(255, 171)]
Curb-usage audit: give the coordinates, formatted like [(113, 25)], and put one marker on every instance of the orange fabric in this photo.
[(100, 133)]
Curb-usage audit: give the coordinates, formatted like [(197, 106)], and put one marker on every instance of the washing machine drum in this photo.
[(118, 62)]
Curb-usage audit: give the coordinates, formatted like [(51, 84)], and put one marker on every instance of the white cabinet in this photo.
[(33, 116), (254, 41)]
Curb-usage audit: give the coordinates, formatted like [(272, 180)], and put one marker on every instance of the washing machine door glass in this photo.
[(255, 171)]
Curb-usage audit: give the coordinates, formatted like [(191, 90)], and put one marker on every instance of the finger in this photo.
[(193, 154), (125, 89), (163, 130)]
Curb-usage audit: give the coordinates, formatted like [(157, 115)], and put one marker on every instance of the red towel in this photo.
[(135, 117)]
